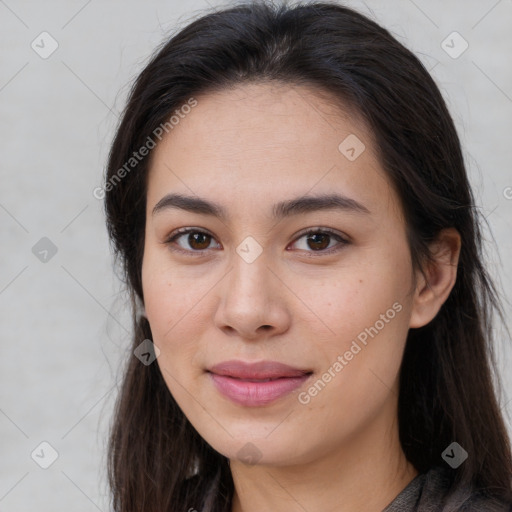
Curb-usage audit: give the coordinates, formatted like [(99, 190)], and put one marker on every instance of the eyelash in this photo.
[(325, 231)]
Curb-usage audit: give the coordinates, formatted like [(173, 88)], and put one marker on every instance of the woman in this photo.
[(312, 319)]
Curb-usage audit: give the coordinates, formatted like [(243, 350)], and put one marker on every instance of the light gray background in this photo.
[(64, 322)]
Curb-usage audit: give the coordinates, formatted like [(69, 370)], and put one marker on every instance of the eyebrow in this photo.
[(299, 205)]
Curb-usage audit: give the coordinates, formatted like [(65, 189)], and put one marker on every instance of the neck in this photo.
[(366, 473)]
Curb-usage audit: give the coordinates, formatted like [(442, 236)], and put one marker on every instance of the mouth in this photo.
[(256, 384)]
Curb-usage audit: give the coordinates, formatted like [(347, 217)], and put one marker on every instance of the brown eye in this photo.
[(190, 241), (318, 241), (322, 241), (199, 241)]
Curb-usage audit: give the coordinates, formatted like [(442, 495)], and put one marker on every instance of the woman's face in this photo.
[(325, 314)]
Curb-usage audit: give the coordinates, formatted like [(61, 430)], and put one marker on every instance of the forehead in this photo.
[(277, 116), (258, 142)]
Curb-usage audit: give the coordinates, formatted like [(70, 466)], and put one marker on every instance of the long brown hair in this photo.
[(446, 383)]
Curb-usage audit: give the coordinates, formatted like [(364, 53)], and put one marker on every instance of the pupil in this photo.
[(317, 239)]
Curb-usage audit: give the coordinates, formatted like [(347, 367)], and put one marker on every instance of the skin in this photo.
[(246, 149)]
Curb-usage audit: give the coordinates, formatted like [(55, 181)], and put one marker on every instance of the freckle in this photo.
[(360, 280)]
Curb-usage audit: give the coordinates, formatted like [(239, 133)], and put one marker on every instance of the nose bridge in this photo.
[(250, 274)]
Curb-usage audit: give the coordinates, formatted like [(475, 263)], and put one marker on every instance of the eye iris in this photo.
[(199, 240), (320, 240)]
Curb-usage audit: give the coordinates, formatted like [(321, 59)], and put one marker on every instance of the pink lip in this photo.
[(247, 383)]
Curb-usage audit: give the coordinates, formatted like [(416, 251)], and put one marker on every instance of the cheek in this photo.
[(354, 297), (170, 297), (367, 310), (172, 308)]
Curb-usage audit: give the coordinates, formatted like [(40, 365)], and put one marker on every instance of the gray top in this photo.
[(428, 492)]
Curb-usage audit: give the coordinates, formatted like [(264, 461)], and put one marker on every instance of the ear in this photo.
[(436, 281)]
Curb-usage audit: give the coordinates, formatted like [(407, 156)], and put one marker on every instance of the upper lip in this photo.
[(259, 370)]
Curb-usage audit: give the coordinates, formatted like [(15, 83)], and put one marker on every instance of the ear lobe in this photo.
[(438, 278)]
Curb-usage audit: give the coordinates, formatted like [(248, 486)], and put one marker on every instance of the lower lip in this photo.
[(256, 394)]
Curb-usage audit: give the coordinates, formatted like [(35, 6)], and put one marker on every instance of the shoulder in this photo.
[(437, 494), (432, 491)]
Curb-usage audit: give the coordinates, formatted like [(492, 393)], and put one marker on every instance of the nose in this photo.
[(252, 302)]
